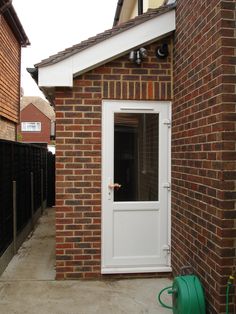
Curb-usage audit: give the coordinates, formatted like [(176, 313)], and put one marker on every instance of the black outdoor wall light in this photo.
[(162, 51), (137, 56)]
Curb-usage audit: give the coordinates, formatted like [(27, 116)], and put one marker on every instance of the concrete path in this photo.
[(28, 287), (35, 259)]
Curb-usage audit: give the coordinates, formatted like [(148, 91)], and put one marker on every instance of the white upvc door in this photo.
[(135, 186)]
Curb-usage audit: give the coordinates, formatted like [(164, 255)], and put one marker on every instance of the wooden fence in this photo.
[(26, 183)]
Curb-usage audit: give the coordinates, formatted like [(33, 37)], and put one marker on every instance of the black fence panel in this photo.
[(46, 174), (36, 169), (6, 212), (26, 165), (21, 174), (51, 180)]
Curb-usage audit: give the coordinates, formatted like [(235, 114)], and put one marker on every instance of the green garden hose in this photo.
[(159, 298), (187, 295), (229, 284), (227, 298)]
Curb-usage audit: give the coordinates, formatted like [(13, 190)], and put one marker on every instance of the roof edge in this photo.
[(48, 92), (9, 13), (38, 102), (62, 68), (64, 54)]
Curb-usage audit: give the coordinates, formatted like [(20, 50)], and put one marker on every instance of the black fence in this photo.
[(24, 186), (51, 180)]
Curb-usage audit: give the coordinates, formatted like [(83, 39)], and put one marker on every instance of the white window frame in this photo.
[(31, 126)]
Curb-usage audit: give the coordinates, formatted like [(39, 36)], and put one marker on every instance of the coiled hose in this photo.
[(161, 302), (229, 284)]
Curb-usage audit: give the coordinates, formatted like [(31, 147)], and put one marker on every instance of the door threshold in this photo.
[(132, 270)]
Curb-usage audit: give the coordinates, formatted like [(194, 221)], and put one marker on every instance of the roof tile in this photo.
[(151, 13)]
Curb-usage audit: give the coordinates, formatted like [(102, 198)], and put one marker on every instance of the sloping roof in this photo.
[(40, 104), (105, 35), (9, 13)]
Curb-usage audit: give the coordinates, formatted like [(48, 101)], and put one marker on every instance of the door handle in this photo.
[(111, 187), (114, 186)]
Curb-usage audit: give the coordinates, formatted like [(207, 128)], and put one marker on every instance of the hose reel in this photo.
[(187, 294)]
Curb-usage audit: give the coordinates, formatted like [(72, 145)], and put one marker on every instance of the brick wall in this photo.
[(32, 114), (203, 146), (78, 157), (10, 73), (7, 130)]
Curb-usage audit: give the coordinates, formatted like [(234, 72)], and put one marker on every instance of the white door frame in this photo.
[(139, 107)]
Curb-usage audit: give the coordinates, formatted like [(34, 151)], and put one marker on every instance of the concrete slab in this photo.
[(36, 257), (28, 286), (80, 297)]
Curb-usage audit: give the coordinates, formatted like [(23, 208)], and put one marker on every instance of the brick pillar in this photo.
[(203, 146)]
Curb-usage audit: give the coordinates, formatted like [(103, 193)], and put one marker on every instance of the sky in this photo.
[(54, 25)]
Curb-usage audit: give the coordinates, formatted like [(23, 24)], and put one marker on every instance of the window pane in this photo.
[(31, 126), (136, 156)]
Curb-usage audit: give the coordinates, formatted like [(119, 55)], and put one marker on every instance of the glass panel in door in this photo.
[(136, 150)]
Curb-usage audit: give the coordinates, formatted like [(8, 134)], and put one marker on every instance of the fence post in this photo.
[(42, 190), (32, 198), (14, 217), (46, 178)]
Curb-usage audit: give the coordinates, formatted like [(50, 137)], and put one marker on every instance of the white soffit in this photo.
[(62, 72)]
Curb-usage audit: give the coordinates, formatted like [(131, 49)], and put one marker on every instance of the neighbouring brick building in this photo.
[(108, 97), (37, 121), (12, 38)]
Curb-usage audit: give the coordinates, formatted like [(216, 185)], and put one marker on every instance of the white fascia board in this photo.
[(58, 74), (62, 73)]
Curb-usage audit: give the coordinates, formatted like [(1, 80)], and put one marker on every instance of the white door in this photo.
[(135, 186)]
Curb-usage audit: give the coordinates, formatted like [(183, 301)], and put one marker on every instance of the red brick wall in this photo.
[(203, 144), (78, 155), (10, 51), (33, 114)]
